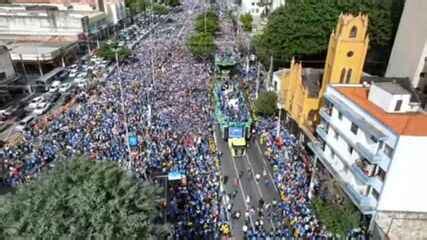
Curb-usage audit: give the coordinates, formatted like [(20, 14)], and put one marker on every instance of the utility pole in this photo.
[(257, 80), (280, 114), (270, 73)]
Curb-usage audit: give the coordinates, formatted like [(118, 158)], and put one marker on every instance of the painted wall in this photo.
[(405, 184), (388, 101), (346, 53), (38, 23)]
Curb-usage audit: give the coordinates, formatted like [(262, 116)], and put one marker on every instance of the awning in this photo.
[(175, 175)]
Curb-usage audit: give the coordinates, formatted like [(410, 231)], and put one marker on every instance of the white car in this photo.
[(80, 82), (54, 87), (82, 75), (23, 123), (41, 108), (72, 74), (33, 104), (64, 87)]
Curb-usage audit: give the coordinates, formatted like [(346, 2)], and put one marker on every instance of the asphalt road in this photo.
[(247, 167)]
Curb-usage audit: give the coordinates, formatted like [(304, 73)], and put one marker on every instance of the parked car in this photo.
[(5, 114), (52, 97), (41, 108), (35, 101), (54, 87), (24, 123), (64, 87)]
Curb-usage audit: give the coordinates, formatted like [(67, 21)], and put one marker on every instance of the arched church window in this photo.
[(342, 75), (350, 71), (353, 32)]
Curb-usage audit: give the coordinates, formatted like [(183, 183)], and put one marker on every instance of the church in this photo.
[(300, 89)]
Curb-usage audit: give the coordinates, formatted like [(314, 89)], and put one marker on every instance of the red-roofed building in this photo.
[(371, 140)]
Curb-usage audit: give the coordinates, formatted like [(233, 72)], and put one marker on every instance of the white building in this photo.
[(371, 140), (409, 55), (259, 9)]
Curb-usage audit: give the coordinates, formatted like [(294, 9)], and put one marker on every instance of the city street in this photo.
[(243, 170)]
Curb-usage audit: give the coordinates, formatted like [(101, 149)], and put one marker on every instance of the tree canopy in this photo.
[(82, 199), (201, 45), (303, 27), (107, 51), (136, 6), (246, 20), (211, 25), (265, 104)]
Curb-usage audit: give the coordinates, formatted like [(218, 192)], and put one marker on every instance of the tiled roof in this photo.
[(411, 124)]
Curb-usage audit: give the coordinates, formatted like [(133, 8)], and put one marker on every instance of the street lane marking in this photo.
[(266, 166), (253, 175)]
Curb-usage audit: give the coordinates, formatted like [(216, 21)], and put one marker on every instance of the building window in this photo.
[(373, 139), (350, 149), (375, 194), (353, 32), (350, 54), (332, 154), (381, 174), (398, 105), (354, 128), (275, 86), (349, 72), (342, 75), (337, 136), (388, 151), (339, 115)]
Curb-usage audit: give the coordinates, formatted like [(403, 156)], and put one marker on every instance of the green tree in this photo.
[(160, 9), (173, 3), (201, 45), (136, 6), (82, 199), (246, 20), (265, 104), (211, 25), (107, 51), (303, 27), (337, 219)]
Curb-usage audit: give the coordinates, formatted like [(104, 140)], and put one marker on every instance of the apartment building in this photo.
[(371, 140)]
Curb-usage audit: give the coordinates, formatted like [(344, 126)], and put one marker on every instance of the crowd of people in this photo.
[(291, 176), (232, 103), (162, 100)]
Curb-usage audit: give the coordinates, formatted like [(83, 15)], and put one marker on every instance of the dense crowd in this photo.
[(167, 112), (232, 103), (291, 176)]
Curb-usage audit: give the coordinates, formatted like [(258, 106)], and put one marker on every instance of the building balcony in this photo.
[(366, 204), (325, 113), (377, 157), (321, 131), (372, 181), (355, 118)]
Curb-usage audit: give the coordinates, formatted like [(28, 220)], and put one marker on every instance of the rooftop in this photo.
[(393, 88), (405, 83), (411, 124)]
